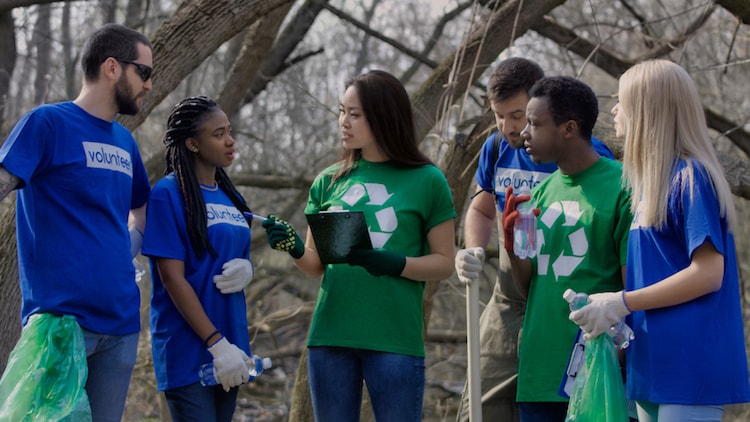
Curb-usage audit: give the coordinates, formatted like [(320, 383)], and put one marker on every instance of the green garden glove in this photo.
[(378, 262), (282, 236)]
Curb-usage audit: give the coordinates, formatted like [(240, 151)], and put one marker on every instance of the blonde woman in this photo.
[(688, 359)]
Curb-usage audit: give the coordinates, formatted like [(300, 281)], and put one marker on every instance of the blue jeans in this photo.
[(653, 412), (196, 403), (111, 360), (395, 383), (543, 411)]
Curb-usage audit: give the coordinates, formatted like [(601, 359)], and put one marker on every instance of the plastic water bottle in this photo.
[(524, 228), (256, 367), (621, 333)]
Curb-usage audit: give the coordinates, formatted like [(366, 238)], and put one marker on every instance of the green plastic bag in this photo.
[(599, 394), (46, 373)]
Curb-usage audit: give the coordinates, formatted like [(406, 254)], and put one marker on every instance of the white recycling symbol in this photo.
[(386, 217), (563, 265)]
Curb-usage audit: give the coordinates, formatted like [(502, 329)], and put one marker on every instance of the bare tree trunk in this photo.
[(7, 61), (300, 409), (67, 53), (10, 311), (109, 10), (43, 44)]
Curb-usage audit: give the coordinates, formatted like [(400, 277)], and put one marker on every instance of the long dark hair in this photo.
[(387, 108), (182, 123)]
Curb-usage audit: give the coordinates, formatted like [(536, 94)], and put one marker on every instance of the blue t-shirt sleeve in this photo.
[(602, 148), (486, 167), (701, 218), (26, 146), (164, 236)]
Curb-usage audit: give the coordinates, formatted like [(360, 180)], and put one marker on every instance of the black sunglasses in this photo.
[(143, 71)]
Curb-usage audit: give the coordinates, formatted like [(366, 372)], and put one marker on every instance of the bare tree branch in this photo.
[(375, 34), (292, 35), (615, 66), (192, 33), (739, 8), (8, 5), (257, 45)]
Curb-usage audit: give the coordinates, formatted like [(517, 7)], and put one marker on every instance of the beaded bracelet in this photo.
[(210, 336)]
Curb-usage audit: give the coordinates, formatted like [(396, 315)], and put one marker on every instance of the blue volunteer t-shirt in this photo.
[(692, 353), (514, 167), (177, 350), (80, 176)]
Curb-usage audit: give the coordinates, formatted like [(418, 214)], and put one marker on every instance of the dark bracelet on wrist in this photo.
[(206, 341)]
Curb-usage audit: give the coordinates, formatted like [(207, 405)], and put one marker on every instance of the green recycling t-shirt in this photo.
[(582, 233), (356, 309)]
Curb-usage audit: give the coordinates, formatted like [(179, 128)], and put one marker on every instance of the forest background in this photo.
[(278, 68)]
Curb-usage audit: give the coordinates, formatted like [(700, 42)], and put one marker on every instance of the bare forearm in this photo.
[(438, 265), (521, 270), (8, 182), (477, 229), (185, 299), (704, 275), (479, 220), (309, 263), (138, 218), (428, 268)]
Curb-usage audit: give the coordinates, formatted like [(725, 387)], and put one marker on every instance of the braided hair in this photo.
[(182, 123)]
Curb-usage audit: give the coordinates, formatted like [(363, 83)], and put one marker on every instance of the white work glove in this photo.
[(603, 311), (469, 264), (236, 274), (230, 364), (136, 240)]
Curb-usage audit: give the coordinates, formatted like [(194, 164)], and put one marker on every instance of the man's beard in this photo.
[(124, 99)]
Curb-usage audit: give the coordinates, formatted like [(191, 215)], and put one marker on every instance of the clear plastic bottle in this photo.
[(621, 333), (256, 367), (524, 228)]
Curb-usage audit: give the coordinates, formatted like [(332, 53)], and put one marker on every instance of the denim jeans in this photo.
[(196, 403), (653, 412), (543, 411), (395, 383), (111, 360)]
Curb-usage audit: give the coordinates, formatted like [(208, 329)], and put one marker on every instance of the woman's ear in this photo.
[(191, 144)]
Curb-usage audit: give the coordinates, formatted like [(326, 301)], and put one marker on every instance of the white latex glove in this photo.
[(469, 264), (230, 367), (236, 274), (136, 240), (603, 311)]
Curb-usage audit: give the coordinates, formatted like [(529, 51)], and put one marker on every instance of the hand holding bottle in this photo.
[(511, 213), (603, 311), (229, 364)]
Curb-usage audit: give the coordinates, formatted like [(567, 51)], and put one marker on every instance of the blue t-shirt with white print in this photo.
[(177, 350), (513, 167), (80, 176)]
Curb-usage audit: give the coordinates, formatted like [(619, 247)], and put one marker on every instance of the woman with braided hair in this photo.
[(198, 243)]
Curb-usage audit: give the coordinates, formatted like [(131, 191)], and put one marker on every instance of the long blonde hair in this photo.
[(664, 121)]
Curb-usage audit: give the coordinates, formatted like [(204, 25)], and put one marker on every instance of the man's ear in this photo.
[(570, 129), (110, 69)]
